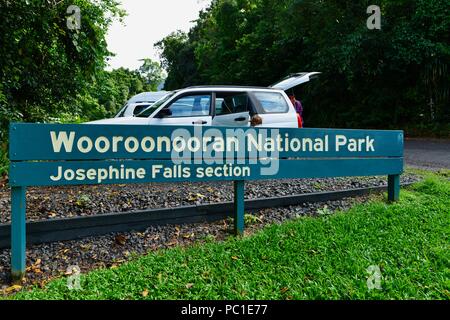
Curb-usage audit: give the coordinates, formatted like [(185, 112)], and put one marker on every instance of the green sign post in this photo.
[(56, 155)]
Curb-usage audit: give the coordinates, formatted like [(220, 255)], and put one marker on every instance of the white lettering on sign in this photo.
[(116, 141), (62, 139), (84, 144), (148, 144), (186, 144), (99, 175), (131, 144), (102, 144), (122, 173), (225, 171), (354, 145)]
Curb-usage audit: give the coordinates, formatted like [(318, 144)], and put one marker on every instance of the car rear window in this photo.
[(272, 102)]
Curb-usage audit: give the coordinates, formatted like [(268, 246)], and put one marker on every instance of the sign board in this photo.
[(45, 155), (55, 155)]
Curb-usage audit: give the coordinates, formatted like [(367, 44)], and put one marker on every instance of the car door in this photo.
[(232, 109), (189, 109), (275, 109), (294, 80)]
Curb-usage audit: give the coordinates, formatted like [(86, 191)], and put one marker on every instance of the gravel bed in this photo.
[(47, 261), (63, 202)]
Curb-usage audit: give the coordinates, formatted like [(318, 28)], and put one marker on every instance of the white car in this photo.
[(231, 106), (139, 103)]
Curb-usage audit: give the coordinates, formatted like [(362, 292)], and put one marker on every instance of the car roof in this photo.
[(227, 88), (285, 84), (215, 87)]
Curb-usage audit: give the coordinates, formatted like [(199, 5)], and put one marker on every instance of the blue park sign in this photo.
[(54, 155)]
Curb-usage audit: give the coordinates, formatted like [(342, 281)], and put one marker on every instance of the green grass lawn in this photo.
[(309, 258)]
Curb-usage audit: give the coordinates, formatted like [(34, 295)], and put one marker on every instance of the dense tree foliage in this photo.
[(44, 63), (48, 70), (177, 55), (109, 91), (152, 73), (52, 66), (396, 77)]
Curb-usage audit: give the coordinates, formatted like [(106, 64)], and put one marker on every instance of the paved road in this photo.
[(427, 154)]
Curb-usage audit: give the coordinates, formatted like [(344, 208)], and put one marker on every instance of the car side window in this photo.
[(232, 102), (138, 109), (190, 106), (272, 102)]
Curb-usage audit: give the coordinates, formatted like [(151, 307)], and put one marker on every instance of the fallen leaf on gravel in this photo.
[(34, 266), (195, 197), (172, 243), (36, 270), (145, 293), (120, 239), (189, 235), (86, 247), (13, 288), (119, 261)]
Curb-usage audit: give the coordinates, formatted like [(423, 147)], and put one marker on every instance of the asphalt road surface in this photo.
[(427, 154)]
